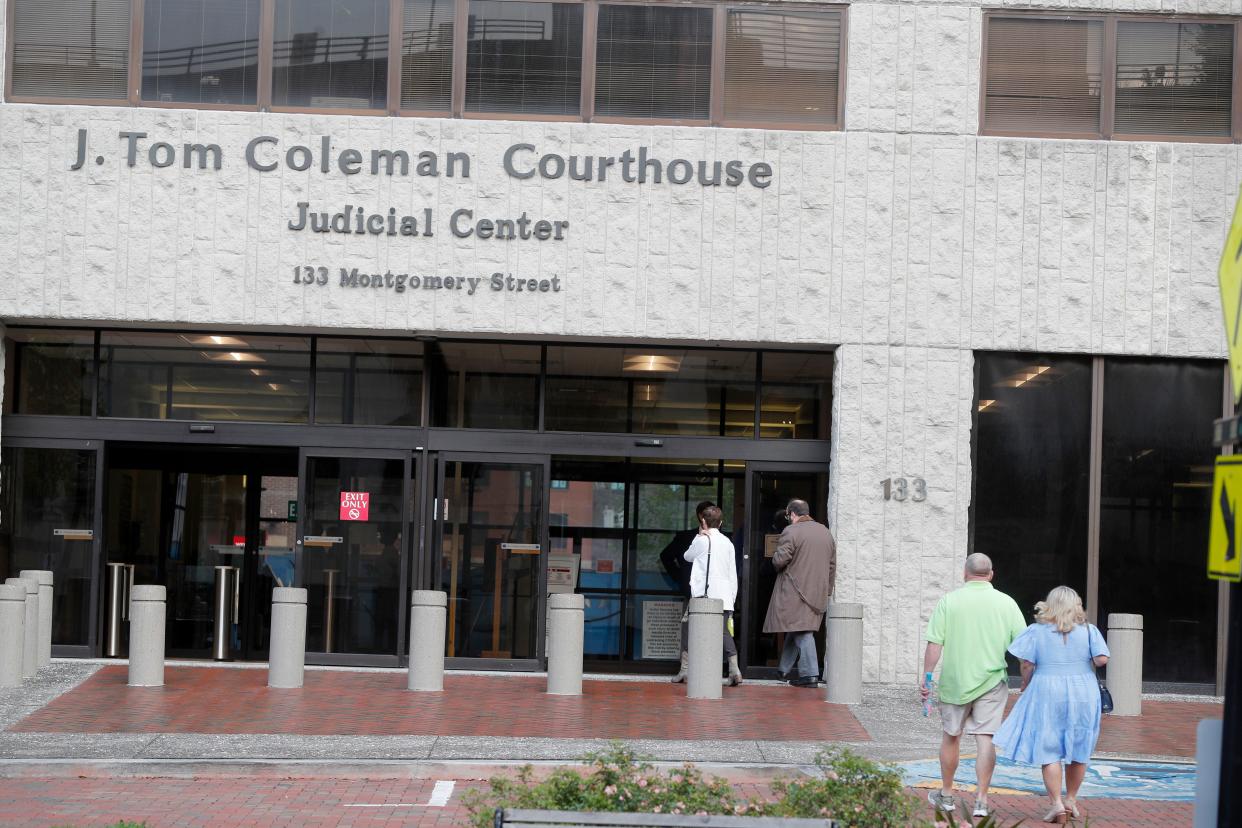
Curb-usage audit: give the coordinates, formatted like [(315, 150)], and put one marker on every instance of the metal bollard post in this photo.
[(222, 624), (1125, 665), (146, 635), (286, 659), (428, 619), (44, 577), (12, 633), (30, 626), (565, 632), (843, 642), (706, 648), (118, 607)]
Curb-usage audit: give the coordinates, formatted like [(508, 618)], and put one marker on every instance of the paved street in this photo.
[(216, 747)]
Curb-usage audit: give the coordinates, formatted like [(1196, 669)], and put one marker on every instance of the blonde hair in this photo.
[(1063, 609)]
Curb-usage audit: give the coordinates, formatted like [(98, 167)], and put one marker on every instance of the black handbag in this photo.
[(1106, 698)]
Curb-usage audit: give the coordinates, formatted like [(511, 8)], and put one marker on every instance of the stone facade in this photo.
[(907, 240)]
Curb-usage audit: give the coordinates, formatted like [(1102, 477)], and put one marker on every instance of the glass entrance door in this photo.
[(352, 552), (771, 489), (47, 521), (492, 542)]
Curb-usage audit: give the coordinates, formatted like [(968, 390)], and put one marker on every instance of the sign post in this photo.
[(1223, 555)]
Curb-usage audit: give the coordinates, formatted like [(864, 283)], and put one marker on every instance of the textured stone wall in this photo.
[(907, 240)]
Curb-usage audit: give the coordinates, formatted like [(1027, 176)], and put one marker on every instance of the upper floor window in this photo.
[(1093, 76), (715, 62), (71, 50), (201, 51)]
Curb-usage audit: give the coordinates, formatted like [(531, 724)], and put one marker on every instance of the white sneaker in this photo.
[(941, 802), (981, 809)]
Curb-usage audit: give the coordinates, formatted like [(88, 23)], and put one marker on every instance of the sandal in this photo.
[(1071, 805), (1056, 815)]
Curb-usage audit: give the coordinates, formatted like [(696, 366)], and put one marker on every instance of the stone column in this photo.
[(1125, 665), (44, 577), (843, 642), (706, 648), (428, 619), (286, 660), (30, 626), (12, 633), (565, 632), (146, 635)]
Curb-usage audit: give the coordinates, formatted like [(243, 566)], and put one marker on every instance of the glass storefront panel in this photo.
[(651, 391), (485, 385), (49, 372), (490, 557), (331, 54), (200, 51), (796, 400), (368, 382), (524, 57), (1156, 501), (196, 376), (47, 520), (1032, 467), (352, 547)]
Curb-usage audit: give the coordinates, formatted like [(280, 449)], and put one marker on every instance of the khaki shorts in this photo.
[(982, 716)]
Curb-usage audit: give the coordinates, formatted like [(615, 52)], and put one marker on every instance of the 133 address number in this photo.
[(901, 488)]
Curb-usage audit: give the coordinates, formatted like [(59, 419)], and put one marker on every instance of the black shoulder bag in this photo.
[(707, 576), (1106, 698)]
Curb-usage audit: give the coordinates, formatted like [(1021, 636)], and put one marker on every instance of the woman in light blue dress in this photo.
[(1057, 718)]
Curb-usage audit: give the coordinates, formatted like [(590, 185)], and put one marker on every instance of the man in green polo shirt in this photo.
[(970, 629)]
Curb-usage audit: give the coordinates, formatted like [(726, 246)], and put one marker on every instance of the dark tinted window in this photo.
[(71, 49), (524, 57), (653, 62), (1174, 78), (427, 55), (485, 385), (331, 53), (1155, 509), (1031, 471), (368, 382), (196, 376), (782, 65), (49, 372), (200, 51), (797, 395)]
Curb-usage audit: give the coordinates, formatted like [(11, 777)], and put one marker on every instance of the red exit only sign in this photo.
[(355, 505)]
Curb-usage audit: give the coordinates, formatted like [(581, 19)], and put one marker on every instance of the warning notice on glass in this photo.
[(355, 505)]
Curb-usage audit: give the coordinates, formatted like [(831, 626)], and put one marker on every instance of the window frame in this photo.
[(1108, 77), (396, 8)]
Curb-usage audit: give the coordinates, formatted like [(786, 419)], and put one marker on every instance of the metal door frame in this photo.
[(406, 457), (435, 535), (753, 472), (93, 646)]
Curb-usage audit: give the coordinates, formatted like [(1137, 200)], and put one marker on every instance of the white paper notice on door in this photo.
[(662, 630)]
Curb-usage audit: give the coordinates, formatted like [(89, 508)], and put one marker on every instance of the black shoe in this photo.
[(782, 676), (805, 681)]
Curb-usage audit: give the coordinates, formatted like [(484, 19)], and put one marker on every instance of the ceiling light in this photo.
[(652, 364), (984, 405), (234, 356), (214, 340)]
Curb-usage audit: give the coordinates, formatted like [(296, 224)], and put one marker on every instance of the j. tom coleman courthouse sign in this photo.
[(521, 161)]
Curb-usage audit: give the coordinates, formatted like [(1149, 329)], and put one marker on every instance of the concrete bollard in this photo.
[(428, 619), (565, 634), (286, 659), (12, 633), (706, 648), (30, 626), (44, 577), (146, 635), (843, 642), (1125, 666)]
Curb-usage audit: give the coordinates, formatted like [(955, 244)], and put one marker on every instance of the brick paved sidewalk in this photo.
[(274, 799), (217, 700)]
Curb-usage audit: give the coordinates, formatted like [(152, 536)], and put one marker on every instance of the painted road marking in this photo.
[(441, 792), (1125, 779)]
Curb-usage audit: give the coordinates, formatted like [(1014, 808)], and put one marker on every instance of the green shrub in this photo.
[(855, 791), (616, 780)]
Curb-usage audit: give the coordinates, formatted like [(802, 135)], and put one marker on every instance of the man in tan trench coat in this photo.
[(806, 563)]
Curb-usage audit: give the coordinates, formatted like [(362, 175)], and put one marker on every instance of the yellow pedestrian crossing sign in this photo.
[(1224, 558), (1230, 276)]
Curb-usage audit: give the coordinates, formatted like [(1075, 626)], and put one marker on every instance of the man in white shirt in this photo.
[(714, 575)]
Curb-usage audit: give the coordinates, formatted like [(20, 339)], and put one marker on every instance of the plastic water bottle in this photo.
[(930, 684)]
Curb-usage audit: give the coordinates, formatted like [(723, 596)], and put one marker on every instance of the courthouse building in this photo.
[(485, 295)]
